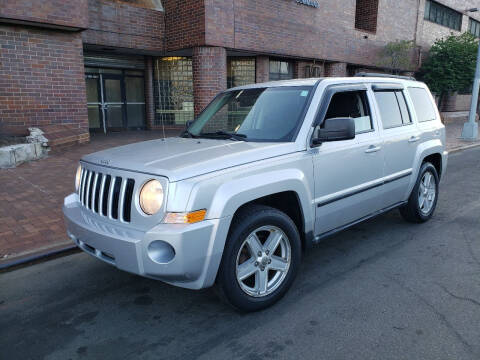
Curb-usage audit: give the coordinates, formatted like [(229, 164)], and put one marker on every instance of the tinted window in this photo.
[(422, 104), (403, 108), (440, 14), (389, 109), (352, 104)]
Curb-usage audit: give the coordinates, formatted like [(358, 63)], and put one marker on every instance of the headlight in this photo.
[(77, 177), (151, 197)]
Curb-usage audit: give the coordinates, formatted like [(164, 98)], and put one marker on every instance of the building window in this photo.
[(474, 27), (173, 91), (281, 70), (148, 4), (240, 71), (366, 13), (440, 14)]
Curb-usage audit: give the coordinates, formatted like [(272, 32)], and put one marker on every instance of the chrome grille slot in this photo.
[(91, 177), (127, 205), (106, 195), (106, 192), (116, 196), (96, 191)]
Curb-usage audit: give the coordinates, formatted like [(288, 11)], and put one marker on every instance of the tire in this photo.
[(417, 210), (270, 226)]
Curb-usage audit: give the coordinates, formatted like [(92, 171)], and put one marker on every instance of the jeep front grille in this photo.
[(106, 195)]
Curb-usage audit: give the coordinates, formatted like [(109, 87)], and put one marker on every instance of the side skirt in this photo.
[(327, 234)]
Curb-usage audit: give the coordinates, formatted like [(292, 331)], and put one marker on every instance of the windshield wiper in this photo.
[(228, 135), (187, 133)]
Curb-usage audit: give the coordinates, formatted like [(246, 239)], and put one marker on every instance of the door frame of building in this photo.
[(103, 104)]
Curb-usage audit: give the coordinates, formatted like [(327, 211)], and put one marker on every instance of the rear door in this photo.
[(348, 173), (400, 136)]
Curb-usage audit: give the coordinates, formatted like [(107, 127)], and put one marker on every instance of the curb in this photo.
[(38, 258), (461, 148)]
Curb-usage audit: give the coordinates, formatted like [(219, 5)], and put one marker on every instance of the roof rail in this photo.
[(365, 74)]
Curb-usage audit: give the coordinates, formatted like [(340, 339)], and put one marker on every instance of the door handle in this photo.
[(413, 139), (372, 149)]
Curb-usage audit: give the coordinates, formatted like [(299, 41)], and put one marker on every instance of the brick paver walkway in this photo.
[(31, 195)]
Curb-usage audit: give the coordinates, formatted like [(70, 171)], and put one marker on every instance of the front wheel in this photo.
[(260, 259), (423, 199)]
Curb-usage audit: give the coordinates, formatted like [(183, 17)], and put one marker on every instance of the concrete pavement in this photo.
[(385, 289)]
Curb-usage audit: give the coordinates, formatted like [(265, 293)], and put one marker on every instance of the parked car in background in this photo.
[(262, 174)]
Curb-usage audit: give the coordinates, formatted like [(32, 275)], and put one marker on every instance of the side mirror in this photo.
[(335, 129), (188, 123)]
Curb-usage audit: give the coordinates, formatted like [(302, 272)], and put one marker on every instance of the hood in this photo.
[(183, 158)]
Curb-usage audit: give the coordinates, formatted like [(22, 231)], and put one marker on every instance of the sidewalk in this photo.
[(31, 195)]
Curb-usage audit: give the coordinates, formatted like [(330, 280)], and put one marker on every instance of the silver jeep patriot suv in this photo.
[(264, 172)]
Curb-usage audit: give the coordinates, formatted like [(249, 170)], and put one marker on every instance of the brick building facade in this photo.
[(104, 65)]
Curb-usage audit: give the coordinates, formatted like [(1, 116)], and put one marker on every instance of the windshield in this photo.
[(259, 114)]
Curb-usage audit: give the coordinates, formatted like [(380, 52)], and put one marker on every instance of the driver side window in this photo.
[(353, 104)]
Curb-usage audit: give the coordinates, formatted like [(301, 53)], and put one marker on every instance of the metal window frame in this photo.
[(443, 15)]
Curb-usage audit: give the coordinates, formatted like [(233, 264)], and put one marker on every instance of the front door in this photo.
[(348, 173), (115, 100)]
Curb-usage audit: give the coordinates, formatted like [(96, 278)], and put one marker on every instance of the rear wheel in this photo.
[(260, 259), (423, 199)]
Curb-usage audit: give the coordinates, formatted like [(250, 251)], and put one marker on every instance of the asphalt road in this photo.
[(385, 289)]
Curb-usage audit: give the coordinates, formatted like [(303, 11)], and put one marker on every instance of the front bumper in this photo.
[(197, 247)]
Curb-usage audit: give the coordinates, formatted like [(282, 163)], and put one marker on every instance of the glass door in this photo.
[(94, 102), (135, 101), (115, 99), (113, 104)]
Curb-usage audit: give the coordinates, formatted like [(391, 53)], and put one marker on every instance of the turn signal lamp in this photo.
[(185, 217)]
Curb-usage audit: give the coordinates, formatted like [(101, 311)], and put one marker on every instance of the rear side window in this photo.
[(422, 104), (393, 108)]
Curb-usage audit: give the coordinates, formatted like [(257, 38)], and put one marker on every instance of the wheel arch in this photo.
[(436, 160)]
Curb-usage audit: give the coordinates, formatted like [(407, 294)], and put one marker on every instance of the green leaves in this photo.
[(397, 55), (450, 65)]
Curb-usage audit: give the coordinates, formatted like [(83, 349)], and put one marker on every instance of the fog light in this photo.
[(161, 252)]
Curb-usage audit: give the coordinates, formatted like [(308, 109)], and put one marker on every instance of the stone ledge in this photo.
[(13, 155)]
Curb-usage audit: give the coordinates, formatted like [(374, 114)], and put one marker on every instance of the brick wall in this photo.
[(149, 100), (291, 29), (463, 102), (69, 13), (336, 69), (185, 23), (209, 75), (41, 79), (117, 24)]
